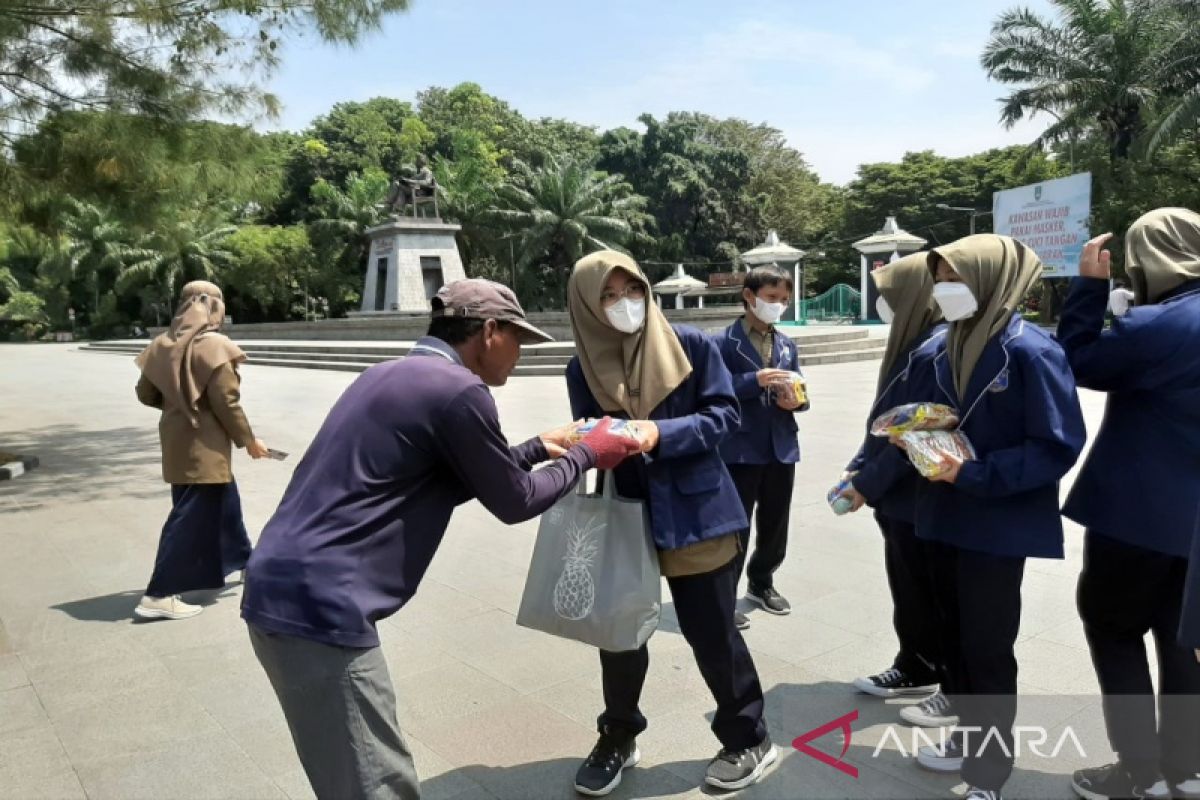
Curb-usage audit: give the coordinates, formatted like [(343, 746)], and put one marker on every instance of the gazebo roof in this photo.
[(679, 283), (772, 251), (890, 238)]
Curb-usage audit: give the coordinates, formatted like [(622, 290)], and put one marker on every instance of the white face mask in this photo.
[(886, 315), (1119, 302), (955, 300), (769, 313), (627, 315)]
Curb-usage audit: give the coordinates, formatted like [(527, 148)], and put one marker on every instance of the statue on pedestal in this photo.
[(417, 191)]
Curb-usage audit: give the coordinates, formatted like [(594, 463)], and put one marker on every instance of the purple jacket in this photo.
[(370, 501)]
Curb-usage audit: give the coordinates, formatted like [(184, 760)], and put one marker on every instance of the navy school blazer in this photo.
[(1141, 479), (687, 488), (1021, 412), (766, 433), (886, 478)]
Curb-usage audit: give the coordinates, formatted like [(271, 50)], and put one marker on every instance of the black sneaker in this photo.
[(1111, 782), (600, 773), (933, 712), (738, 769), (975, 793), (893, 683), (771, 601), (741, 620)]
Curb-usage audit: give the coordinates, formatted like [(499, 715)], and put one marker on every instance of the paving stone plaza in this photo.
[(94, 705)]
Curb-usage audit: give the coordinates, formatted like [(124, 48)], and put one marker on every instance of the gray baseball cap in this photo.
[(479, 298)]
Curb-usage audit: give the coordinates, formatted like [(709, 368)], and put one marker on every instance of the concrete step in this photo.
[(843, 357), (548, 359), (807, 349)]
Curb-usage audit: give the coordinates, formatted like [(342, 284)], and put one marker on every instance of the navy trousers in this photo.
[(1124, 593), (704, 606), (914, 603), (203, 540)]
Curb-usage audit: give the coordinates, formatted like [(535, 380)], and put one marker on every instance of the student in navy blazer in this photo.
[(631, 363), (981, 518), (1137, 493), (882, 477), (762, 453)]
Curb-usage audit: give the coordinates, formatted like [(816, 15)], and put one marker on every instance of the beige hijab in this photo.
[(907, 286), (180, 361), (630, 372), (1162, 252), (999, 271)]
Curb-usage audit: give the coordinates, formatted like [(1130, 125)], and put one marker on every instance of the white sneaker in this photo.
[(975, 793), (932, 712), (1158, 791), (166, 608), (944, 758), (1190, 788)]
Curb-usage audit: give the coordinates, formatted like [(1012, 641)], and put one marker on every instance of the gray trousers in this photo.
[(341, 710)]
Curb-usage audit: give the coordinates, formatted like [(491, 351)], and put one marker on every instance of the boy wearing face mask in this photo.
[(762, 454)]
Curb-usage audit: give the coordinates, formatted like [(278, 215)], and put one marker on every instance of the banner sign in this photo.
[(1051, 218)]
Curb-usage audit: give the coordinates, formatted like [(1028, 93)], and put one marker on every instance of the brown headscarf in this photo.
[(180, 361), (907, 286), (999, 271), (1162, 252), (632, 372)]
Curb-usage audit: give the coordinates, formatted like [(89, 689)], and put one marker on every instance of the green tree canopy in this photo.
[(170, 60), (558, 213), (698, 185), (1121, 67)]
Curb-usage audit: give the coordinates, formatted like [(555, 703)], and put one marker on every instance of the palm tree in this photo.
[(1124, 67), (339, 234), (187, 250), (95, 249), (559, 212), (349, 212), (8, 281), (467, 195)]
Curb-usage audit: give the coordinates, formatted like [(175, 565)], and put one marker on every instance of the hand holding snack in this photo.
[(646, 433), (582, 428), (768, 376), (559, 439), (789, 390), (951, 464), (938, 454), (610, 447)]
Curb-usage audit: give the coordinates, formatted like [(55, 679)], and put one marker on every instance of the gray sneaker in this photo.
[(741, 768), (769, 600)]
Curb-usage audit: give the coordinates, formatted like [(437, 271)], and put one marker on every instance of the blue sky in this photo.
[(848, 82)]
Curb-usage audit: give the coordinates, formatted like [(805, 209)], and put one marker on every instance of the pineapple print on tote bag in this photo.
[(594, 575), (575, 592)]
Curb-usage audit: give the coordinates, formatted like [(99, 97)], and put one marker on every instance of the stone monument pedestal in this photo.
[(410, 259)]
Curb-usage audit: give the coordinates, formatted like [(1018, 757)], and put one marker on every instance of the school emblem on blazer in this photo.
[(1000, 383)]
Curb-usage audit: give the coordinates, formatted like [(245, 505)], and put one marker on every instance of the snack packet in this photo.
[(623, 427), (791, 388), (927, 448), (914, 417), (840, 505)]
